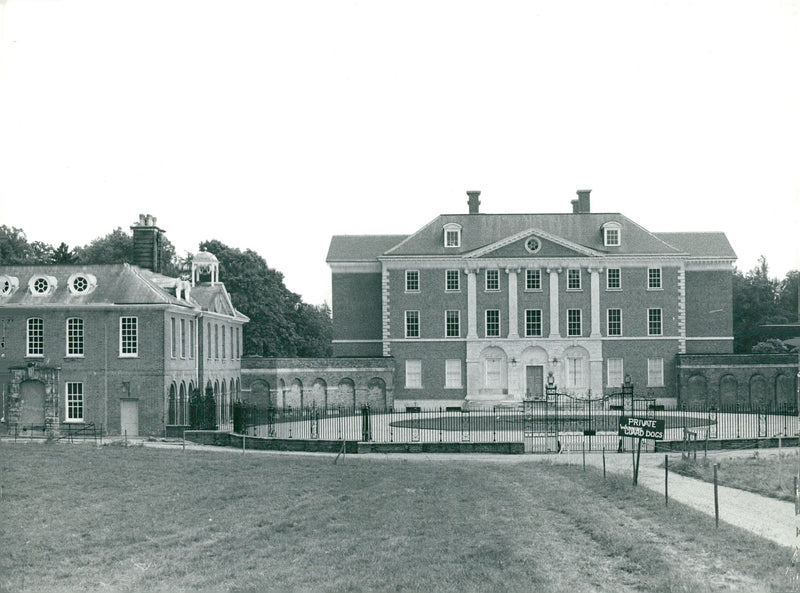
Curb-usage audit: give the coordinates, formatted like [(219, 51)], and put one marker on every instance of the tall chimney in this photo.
[(147, 243), (583, 201), (473, 201)]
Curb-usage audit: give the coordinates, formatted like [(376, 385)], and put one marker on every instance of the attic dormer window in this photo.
[(8, 284), (612, 234), (80, 284), (452, 235), (42, 285)]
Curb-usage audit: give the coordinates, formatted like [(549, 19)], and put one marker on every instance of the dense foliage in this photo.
[(114, 248), (759, 300), (281, 324)]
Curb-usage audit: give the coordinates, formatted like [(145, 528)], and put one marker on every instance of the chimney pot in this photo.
[(473, 201)]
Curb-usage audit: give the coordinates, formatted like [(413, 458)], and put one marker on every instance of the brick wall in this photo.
[(747, 380), (356, 309), (342, 382)]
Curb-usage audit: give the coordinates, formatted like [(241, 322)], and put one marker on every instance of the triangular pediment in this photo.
[(222, 304), (533, 243)]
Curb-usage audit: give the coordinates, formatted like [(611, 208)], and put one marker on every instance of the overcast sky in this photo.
[(275, 125)]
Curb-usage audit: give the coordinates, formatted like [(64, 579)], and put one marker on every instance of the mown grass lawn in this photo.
[(769, 474), (82, 518)]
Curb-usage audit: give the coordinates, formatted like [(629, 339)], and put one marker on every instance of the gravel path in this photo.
[(768, 517)]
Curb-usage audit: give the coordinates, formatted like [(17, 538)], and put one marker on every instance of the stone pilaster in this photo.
[(554, 328), (513, 313), (472, 304), (595, 294)]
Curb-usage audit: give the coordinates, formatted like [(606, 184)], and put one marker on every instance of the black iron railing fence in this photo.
[(560, 422), (563, 422)]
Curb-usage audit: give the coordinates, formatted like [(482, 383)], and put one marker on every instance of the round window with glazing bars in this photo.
[(80, 284), (41, 285), (8, 284)]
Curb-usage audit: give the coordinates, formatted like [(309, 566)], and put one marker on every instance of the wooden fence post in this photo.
[(716, 498)]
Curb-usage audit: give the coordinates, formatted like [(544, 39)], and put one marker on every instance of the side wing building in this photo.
[(120, 347)]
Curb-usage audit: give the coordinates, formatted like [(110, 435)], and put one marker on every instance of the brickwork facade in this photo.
[(483, 309), (118, 347)]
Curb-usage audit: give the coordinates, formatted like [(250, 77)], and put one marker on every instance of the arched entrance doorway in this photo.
[(33, 398), (534, 362)]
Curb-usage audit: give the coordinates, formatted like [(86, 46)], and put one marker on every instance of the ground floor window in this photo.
[(614, 372), (413, 374), (574, 372), (655, 372), (74, 402), (452, 377)]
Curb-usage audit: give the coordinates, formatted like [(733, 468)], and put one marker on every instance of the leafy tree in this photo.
[(63, 255), (315, 330), (114, 248), (754, 296), (759, 300), (788, 298), (15, 248), (117, 247), (280, 323)]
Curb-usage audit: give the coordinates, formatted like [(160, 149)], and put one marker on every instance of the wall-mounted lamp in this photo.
[(555, 360), (513, 362)]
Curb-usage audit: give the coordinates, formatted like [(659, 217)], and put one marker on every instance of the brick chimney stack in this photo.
[(147, 243), (581, 205), (473, 201)]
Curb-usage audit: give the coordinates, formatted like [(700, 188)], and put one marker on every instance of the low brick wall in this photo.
[(224, 439), (496, 448), (311, 445), (209, 437), (727, 444)]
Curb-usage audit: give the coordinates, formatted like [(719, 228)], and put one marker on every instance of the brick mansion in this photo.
[(484, 309)]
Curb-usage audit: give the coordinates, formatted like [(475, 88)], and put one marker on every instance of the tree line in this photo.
[(281, 324), (760, 300)]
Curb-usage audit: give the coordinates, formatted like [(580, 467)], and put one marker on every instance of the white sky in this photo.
[(273, 125)]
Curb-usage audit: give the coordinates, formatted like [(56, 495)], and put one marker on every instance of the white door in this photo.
[(129, 417)]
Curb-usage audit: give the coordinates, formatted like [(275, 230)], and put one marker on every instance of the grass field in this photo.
[(769, 475), (82, 518)]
